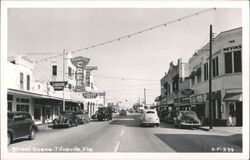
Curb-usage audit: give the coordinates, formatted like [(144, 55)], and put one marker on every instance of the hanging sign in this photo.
[(187, 92), (59, 85), (88, 78), (90, 95), (80, 64)]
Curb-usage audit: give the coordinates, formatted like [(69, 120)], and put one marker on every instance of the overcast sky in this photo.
[(146, 56)]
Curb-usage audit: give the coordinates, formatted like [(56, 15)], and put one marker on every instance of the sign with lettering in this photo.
[(80, 64), (90, 95), (101, 93), (228, 49), (58, 86), (87, 78), (187, 92)]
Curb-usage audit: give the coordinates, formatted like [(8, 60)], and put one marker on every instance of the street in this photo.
[(124, 134)]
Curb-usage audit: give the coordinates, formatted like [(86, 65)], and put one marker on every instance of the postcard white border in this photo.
[(125, 4)]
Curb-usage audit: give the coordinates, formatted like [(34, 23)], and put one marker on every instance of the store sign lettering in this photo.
[(232, 48), (58, 86), (90, 95)]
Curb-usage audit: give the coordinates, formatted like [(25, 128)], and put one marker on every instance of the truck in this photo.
[(104, 113)]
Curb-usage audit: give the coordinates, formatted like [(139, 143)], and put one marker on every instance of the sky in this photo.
[(145, 57)]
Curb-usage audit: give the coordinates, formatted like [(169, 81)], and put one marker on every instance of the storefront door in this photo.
[(238, 113)]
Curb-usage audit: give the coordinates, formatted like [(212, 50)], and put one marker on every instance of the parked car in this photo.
[(150, 117), (186, 118), (123, 112), (66, 118), (20, 125), (82, 117), (104, 113)]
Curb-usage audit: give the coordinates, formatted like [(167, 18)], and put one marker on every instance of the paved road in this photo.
[(123, 134)]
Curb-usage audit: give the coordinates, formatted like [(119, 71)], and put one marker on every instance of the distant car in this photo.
[(149, 117), (82, 117), (104, 113), (66, 118), (186, 118), (20, 125), (123, 112)]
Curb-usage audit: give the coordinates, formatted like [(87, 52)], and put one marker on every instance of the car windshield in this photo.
[(189, 114), (10, 116), (150, 112)]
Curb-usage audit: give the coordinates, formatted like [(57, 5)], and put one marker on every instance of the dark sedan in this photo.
[(20, 125)]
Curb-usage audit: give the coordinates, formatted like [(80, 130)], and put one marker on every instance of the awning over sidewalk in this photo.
[(35, 95), (233, 97)]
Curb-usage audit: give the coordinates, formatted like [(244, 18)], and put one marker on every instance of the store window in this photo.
[(70, 71), (28, 82), (22, 107), (198, 74), (37, 113), (205, 71), (10, 106), (193, 80), (21, 80), (215, 67), (237, 61), (54, 70), (228, 62)]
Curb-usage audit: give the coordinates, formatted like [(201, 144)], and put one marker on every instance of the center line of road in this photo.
[(122, 132), (117, 146)]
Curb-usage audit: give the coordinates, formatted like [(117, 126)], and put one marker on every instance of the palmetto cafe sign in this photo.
[(80, 64)]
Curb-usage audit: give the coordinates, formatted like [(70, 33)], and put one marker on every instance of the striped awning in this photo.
[(233, 97)]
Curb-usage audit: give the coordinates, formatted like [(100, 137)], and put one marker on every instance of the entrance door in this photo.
[(238, 113)]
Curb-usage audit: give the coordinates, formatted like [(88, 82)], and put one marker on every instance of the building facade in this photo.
[(29, 87), (226, 78)]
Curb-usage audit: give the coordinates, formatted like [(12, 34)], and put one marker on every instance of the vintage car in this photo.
[(123, 112), (82, 117), (104, 113), (187, 119), (65, 118), (20, 125), (149, 117)]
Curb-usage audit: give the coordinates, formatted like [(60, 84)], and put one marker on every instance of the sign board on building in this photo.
[(59, 85), (101, 93), (87, 77), (80, 64), (89, 95), (187, 92)]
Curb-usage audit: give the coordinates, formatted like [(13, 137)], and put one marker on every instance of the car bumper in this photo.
[(190, 124)]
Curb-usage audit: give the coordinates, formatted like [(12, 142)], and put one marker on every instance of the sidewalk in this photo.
[(223, 130), (44, 127)]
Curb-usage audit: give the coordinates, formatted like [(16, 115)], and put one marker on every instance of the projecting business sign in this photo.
[(59, 85), (88, 78), (187, 92), (90, 95), (80, 64)]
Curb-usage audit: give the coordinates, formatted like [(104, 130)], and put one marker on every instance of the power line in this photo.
[(138, 32), (125, 78)]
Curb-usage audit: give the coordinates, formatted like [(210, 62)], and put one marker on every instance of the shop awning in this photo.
[(233, 97), (31, 94)]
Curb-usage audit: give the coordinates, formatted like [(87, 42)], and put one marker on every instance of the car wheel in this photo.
[(32, 134), (9, 139)]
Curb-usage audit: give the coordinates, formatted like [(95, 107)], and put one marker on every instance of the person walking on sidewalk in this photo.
[(230, 120)]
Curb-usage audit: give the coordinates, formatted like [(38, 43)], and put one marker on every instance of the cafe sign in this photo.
[(59, 85), (80, 64)]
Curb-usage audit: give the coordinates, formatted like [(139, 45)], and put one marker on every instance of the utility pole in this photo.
[(63, 78), (145, 101), (210, 78)]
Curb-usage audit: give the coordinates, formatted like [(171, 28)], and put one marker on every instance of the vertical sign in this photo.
[(87, 77), (80, 64)]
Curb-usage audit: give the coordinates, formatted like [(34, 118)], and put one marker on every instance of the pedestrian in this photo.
[(230, 120)]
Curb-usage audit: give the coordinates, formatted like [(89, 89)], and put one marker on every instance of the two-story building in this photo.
[(226, 78)]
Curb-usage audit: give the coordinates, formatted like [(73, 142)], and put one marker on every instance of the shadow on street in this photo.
[(202, 143)]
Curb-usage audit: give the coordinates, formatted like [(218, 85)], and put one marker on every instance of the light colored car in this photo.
[(150, 117)]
